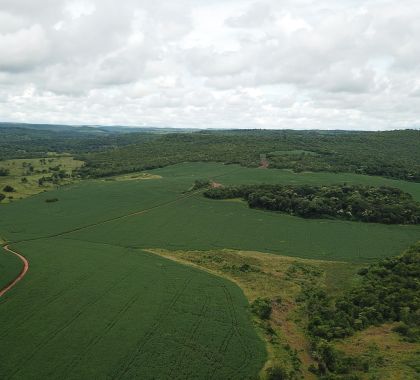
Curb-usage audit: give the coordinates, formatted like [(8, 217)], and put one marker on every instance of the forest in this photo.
[(348, 202), (393, 154)]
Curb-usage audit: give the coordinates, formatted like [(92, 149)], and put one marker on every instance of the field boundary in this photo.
[(22, 273)]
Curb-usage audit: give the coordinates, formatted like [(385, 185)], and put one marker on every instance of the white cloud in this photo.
[(192, 63), (23, 48)]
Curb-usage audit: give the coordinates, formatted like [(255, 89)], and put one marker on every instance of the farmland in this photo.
[(116, 287)]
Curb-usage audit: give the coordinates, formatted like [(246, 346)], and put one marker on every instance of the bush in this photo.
[(4, 172), (277, 373), (261, 307), (8, 189), (51, 200), (2, 196), (201, 184)]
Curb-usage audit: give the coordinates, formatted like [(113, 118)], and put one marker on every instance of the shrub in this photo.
[(261, 307), (51, 200), (2, 196), (277, 373), (8, 189), (4, 172)]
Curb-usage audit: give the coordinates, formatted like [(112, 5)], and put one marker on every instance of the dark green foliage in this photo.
[(201, 184), (8, 189), (389, 291), (394, 154), (2, 196), (4, 172), (17, 142), (261, 307), (349, 202), (51, 200), (277, 373)]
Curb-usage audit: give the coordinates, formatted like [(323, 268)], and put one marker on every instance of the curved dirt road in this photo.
[(21, 274)]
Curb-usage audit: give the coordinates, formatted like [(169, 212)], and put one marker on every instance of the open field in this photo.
[(99, 311), (30, 171), (95, 304)]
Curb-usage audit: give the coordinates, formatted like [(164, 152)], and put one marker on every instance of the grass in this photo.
[(389, 356), (133, 177), (99, 311), (19, 169)]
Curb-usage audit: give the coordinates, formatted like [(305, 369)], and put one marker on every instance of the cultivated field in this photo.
[(96, 302)]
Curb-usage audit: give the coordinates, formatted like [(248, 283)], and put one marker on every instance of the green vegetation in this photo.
[(27, 177), (194, 222), (10, 266), (94, 310), (389, 292), (94, 283), (8, 189), (261, 307), (393, 154), (349, 202)]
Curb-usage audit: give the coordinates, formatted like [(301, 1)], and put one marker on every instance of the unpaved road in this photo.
[(21, 274)]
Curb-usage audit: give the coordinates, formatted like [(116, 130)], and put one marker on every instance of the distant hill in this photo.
[(94, 129)]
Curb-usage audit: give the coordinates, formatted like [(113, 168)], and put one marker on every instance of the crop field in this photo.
[(100, 311), (97, 304)]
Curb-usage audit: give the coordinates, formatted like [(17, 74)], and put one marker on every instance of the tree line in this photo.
[(348, 202)]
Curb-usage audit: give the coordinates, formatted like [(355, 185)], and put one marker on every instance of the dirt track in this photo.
[(21, 274)]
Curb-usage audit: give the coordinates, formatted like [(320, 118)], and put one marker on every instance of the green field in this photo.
[(99, 311), (94, 304)]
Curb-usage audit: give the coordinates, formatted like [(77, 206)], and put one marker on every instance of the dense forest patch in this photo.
[(349, 202)]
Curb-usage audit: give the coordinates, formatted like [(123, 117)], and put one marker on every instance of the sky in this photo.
[(295, 64)]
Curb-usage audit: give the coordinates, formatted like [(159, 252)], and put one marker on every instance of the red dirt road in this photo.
[(21, 274)]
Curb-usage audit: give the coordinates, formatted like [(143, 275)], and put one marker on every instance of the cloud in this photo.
[(23, 48), (191, 63)]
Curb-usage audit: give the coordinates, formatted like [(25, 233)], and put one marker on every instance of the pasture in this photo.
[(96, 304), (24, 174)]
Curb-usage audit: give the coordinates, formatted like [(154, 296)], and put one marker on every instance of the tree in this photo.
[(4, 172), (2, 196), (8, 189)]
